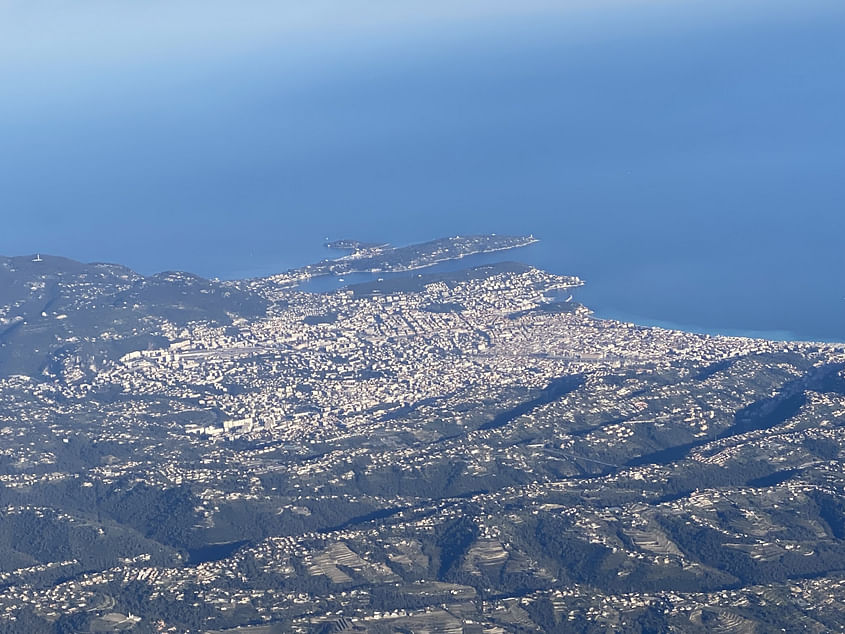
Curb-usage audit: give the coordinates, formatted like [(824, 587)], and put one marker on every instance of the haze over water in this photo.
[(685, 158)]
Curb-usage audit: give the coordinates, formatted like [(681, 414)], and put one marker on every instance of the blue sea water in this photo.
[(686, 159)]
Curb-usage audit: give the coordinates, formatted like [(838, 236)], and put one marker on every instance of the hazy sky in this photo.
[(59, 54), (108, 32), (102, 33)]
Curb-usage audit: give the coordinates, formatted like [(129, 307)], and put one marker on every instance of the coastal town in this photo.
[(459, 451)]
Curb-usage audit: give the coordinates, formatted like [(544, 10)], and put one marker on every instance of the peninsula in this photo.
[(384, 258)]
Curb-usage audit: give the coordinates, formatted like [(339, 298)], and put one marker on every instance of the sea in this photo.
[(686, 159)]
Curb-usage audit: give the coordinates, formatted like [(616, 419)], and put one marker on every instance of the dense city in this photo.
[(457, 451)]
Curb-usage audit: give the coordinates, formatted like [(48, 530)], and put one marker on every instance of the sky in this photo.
[(63, 49)]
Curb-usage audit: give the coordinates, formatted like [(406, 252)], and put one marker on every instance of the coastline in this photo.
[(739, 333), (328, 281)]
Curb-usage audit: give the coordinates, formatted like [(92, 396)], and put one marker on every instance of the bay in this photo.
[(689, 166)]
